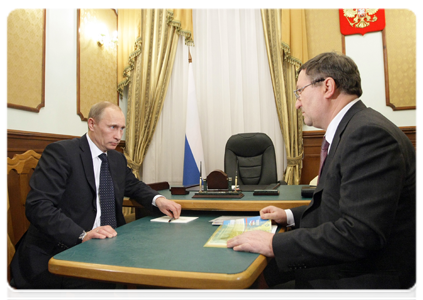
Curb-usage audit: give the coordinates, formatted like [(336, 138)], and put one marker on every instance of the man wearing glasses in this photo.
[(359, 230)]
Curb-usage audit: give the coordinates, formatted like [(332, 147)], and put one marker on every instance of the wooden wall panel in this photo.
[(400, 58), (96, 64), (26, 53), (20, 141), (327, 21), (312, 141)]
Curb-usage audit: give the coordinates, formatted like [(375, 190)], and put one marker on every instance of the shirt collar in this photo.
[(333, 125), (95, 151)]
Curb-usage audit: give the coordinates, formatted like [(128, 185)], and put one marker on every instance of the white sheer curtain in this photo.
[(234, 94)]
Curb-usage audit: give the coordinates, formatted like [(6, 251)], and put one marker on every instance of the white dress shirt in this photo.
[(329, 135)]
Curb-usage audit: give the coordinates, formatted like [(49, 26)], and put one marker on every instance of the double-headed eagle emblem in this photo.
[(360, 17)]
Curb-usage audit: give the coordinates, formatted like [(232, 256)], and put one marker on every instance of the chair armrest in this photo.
[(130, 203)]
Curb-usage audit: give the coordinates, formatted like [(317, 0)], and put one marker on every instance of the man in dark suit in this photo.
[(64, 206), (359, 230)]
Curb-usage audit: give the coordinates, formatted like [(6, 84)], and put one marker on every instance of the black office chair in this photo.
[(254, 156)]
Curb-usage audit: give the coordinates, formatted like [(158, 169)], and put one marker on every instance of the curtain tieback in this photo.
[(295, 161), (134, 166)]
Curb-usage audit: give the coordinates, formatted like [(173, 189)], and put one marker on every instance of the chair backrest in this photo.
[(253, 154), (19, 171)]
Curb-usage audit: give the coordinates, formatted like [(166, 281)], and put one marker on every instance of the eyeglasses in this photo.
[(298, 92)]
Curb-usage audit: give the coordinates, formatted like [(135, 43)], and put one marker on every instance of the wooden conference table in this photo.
[(172, 255)]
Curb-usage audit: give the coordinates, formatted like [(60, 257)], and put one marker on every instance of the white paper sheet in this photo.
[(166, 219)]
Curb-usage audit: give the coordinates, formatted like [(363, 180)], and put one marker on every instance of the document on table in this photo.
[(167, 219), (232, 228)]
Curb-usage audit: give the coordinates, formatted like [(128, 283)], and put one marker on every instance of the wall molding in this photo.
[(19, 141)]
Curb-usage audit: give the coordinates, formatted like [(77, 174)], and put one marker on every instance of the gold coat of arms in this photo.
[(360, 17)]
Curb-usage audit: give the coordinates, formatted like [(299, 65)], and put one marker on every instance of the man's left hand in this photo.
[(168, 207), (256, 241)]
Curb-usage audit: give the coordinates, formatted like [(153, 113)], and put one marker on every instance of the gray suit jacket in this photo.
[(62, 203), (359, 231)]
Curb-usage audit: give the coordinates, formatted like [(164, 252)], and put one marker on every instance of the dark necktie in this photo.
[(106, 194), (323, 154)]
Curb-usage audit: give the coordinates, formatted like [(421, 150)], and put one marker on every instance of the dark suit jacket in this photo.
[(62, 203), (359, 229)]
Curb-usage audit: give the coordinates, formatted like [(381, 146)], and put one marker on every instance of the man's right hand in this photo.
[(101, 232)]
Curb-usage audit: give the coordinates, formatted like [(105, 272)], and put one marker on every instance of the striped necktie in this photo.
[(106, 194)]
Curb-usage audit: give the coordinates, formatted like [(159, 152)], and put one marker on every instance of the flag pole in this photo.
[(201, 178)]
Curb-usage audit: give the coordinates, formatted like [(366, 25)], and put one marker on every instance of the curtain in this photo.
[(233, 88), (148, 72), (129, 43), (286, 43)]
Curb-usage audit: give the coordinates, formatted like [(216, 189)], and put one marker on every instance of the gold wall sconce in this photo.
[(96, 58), (104, 38)]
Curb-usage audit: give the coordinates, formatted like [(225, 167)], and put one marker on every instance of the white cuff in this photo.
[(290, 221), (154, 199)]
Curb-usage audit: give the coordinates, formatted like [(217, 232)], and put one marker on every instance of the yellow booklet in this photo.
[(232, 228)]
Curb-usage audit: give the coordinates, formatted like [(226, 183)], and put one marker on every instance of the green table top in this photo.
[(163, 246)]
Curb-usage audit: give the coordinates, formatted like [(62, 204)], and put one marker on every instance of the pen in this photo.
[(171, 220)]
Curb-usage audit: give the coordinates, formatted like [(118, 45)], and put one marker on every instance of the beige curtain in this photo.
[(233, 89), (286, 43), (154, 33), (129, 25), (129, 43)]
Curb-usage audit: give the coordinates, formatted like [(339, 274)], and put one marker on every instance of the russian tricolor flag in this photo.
[(193, 143)]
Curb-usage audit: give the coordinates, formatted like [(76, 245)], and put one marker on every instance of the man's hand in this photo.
[(101, 232), (168, 207), (274, 213), (256, 241)]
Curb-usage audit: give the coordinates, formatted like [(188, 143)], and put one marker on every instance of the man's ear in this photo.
[(91, 123), (330, 87)]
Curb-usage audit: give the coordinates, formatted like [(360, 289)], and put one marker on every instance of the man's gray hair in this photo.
[(96, 111), (341, 68)]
